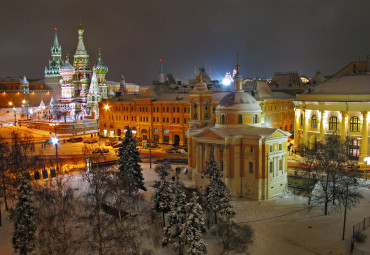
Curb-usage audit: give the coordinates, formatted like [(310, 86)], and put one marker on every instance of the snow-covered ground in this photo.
[(283, 225)]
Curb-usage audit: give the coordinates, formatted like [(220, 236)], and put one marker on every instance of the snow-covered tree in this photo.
[(195, 227), (24, 218), (217, 194), (175, 232), (163, 194), (130, 172)]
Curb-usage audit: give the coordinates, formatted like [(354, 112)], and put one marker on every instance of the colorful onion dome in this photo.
[(100, 67)]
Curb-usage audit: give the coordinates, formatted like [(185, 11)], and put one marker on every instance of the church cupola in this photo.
[(81, 60), (101, 70), (200, 104)]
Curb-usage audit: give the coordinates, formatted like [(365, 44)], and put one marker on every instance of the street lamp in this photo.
[(55, 141), (367, 159)]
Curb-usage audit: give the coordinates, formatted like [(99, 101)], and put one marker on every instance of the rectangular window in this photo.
[(271, 167), (271, 148), (184, 121), (280, 164), (184, 109), (251, 148), (280, 147), (173, 120), (164, 119), (251, 167)]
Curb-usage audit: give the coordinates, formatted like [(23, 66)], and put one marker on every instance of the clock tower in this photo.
[(52, 75)]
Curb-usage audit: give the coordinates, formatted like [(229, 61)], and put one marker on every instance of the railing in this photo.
[(361, 226), (358, 228)]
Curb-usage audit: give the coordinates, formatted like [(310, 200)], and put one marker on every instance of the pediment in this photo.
[(208, 134)]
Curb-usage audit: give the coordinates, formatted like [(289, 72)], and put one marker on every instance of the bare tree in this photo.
[(4, 177), (56, 232), (96, 199), (233, 236)]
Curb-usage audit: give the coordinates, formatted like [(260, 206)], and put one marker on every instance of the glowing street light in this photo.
[(55, 141), (106, 107), (367, 159)]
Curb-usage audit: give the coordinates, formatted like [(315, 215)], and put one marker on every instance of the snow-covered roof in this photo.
[(348, 84), (238, 101)]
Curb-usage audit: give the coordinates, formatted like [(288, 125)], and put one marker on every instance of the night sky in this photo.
[(270, 36)]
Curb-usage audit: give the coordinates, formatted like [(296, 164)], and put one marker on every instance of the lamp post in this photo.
[(55, 141), (15, 115), (367, 159)]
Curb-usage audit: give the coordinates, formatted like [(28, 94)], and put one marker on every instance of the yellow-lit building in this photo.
[(251, 156), (340, 104), (164, 110)]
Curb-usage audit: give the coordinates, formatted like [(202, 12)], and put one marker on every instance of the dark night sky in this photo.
[(270, 36)]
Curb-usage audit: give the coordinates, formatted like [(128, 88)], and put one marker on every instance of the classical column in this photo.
[(198, 158), (296, 126), (207, 151), (305, 127), (217, 153), (226, 161), (322, 132), (344, 124), (365, 135)]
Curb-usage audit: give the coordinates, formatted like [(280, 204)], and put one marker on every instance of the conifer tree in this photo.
[(217, 194), (24, 218), (130, 172), (163, 195), (195, 227), (175, 232)]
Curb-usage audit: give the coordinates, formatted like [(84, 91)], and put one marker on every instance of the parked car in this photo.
[(75, 140), (49, 141), (117, 145), (170, 151), (92, 140), (100, 150), (181, 151)]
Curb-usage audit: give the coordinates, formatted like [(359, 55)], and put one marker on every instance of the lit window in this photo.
[(333, 123), (355, 124), (251, 167), (166, 131), (314, 121), (255, 118), (240, 119)]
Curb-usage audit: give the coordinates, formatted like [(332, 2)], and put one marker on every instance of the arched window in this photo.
[(333, 123), (195, 111), (240, 119), (222, 119), (255, 118), (314, 121), (354, 124)]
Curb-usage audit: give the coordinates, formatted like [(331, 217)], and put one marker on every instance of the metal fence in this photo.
[(359, 252), (358, 228), (361, 226)]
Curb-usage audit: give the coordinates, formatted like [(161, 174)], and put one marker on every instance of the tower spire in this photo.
[(161, 73)]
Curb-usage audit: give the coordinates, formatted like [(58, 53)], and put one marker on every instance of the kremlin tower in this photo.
[(52, 75)]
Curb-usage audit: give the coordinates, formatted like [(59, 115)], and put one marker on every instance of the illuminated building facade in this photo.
[(251, 156), (341, 105), (164, 108), (81, 89)]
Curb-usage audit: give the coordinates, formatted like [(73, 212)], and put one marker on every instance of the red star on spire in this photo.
[(55, 29)]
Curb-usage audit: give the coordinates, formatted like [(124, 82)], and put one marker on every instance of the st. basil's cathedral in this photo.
[(77, 88)]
